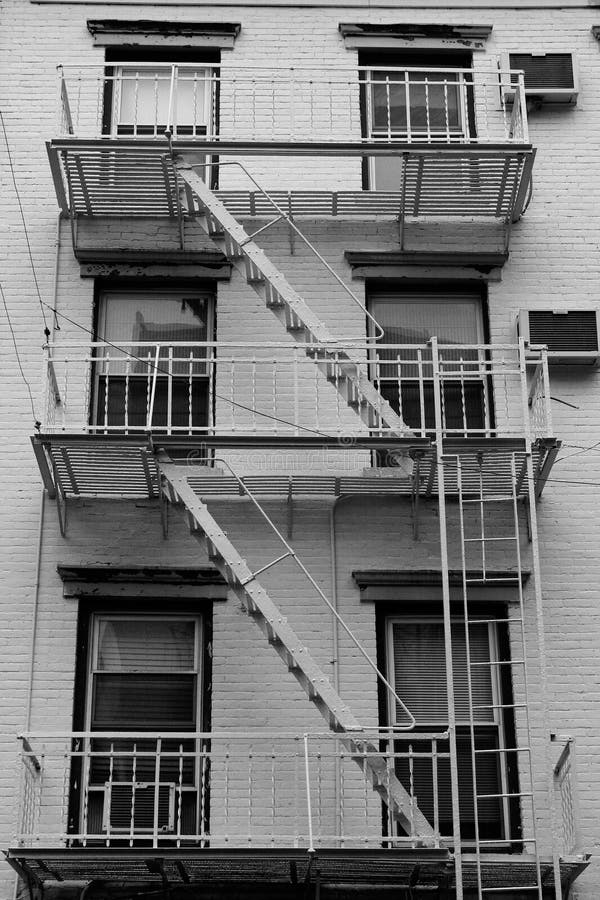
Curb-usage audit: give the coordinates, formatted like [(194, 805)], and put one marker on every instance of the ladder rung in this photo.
[(499, 662), (512, 889), (489, 540), (504, 750), (502, 795), (501, 706), (479, 500)]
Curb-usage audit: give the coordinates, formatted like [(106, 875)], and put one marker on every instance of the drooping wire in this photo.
[(37, 422), (25, 231)]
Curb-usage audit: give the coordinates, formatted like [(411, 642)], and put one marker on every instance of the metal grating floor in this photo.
[(80, 466), (368, 869), (113, 178)]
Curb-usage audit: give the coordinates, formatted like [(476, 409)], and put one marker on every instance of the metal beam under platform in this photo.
[(115, 177)]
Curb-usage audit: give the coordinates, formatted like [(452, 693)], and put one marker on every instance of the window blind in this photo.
[(420, 671)]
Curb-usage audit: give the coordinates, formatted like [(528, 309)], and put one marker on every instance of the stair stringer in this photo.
[(282, 637), (348, 377)]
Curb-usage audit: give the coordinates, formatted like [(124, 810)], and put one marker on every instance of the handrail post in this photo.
[(311, 848), (153, 390), (170, 124)]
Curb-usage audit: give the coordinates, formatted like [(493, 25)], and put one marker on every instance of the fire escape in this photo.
[(344, 394)]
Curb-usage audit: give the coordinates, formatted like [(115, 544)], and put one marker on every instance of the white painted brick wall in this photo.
[(554, 261)]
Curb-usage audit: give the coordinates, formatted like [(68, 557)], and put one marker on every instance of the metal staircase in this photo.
[(281, 636), (348, 376)]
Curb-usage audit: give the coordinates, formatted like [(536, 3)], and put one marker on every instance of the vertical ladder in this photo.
[(280, 635), (348, 376), (483, 530)]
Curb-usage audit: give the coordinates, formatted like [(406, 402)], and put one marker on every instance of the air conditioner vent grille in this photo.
[(552, 71), (570, 331), (135, 801)]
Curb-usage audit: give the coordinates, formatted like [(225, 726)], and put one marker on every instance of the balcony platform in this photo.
[(119, 177), (226, 872), (103, 466)]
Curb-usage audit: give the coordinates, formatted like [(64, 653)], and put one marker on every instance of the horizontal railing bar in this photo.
[(333, 344), (275, 72), (381, 732)]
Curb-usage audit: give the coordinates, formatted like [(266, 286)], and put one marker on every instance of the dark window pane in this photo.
[(128, 401), (127, 702)]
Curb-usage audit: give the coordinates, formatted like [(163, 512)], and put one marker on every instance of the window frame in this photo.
[(121, 73), (98, 417), (91, 669), (426, 292), (497, 694), (429, 60)]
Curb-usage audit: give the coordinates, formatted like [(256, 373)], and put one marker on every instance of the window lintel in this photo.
[(142, 582), (147, 32), (413, 35), (401, 587)]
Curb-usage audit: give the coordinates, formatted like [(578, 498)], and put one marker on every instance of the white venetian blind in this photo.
[(454, 317), (144, 675), (151, 645), (420, 671)]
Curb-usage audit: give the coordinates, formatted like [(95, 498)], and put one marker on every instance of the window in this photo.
[(416, 665), (148, 91), (154, 368), (412, 315), (143, 676), (416, 98)]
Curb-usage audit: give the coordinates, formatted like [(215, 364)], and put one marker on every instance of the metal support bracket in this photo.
[(164, 514), (156, 867), (416, 456)]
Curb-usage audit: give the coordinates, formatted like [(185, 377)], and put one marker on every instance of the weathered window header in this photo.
[(389, 36), (148, 32)]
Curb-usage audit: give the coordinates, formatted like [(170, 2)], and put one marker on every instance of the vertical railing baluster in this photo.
[(463, 405), (179, 795), (421, 392), (273, 793), (275, 423), (153, 388), (106, 368), (204, 769), (127, 373), (342, 797), (170, 390), (427, 110), (190, 386), (157, 762), (133, 790), (86, 788), (250, 789), (436, 805), (296, 389), (408, 109), (111, 767)]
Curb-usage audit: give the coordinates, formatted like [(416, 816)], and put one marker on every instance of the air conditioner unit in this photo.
[(549, 77), (130, 805), (570, 335)]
